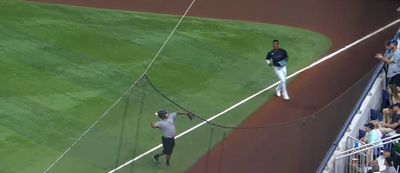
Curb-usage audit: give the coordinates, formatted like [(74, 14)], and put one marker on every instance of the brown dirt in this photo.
[(296, 148)]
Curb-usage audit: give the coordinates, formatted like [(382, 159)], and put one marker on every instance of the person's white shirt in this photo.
[(381, 163)]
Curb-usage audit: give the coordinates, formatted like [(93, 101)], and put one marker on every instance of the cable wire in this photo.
[(285, 123)]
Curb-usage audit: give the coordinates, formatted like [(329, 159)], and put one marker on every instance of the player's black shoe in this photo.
[(155, 159), (167, 163)]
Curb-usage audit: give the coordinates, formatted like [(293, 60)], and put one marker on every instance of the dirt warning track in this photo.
[(299, 147)]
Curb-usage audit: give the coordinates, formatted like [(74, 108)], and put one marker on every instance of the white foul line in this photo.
[(125, 93), (258, 93)]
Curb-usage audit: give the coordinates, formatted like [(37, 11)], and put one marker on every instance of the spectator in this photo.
[(387, 115), (374, 167), (373, 135), (374, 138), (395, 98), (389, 165), (394, 124), (381, 160), (393, 62)]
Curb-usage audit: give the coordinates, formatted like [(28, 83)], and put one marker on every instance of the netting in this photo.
[(124, 136), (304, 138), (125, 133), (122, 139)]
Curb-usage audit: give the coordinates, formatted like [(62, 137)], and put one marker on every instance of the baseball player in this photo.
[(167, 127), (278, 58)]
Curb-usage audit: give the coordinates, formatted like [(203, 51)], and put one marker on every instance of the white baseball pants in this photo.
[(281, 73)]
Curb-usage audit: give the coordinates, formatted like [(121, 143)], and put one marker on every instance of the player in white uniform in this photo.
[(278, 58)]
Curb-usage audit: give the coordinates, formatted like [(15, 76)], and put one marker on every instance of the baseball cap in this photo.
[(162, 113), (369, 125), (393, 42)]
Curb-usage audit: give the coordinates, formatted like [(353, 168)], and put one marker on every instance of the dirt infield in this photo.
[(298, 148)]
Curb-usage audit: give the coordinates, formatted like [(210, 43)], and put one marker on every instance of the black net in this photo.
[(123, 140), (302, 142)]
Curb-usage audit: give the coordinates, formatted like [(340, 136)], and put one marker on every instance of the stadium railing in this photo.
[(356, 159), (370, 99)]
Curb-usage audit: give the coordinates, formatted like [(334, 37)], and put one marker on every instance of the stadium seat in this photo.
[(385, 99), (361, 133), (386, 146), (376, 115)]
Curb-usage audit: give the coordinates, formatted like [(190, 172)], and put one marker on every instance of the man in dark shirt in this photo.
[(394, 125), (278, 58)]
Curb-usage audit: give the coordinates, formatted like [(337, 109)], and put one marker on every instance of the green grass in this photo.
[(61, 67)]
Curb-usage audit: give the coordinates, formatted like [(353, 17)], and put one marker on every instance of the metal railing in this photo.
[(360, 155), (330, 153)]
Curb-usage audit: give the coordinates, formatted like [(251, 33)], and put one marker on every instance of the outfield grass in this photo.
[(61, 67)]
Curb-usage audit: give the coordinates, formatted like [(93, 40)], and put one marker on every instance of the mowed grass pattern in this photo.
[(61, 67)]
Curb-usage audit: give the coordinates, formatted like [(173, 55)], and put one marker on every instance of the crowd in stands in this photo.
[(386, 121)]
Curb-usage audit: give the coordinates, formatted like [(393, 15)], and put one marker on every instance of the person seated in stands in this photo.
[(394, 90), (389, 165), (373, 138), (394, 124), (374, 167), (381, 160), (378, 165), (387, 114), (393, 61), (373, 134)]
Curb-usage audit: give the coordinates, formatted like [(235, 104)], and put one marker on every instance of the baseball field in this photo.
[(63, 66)]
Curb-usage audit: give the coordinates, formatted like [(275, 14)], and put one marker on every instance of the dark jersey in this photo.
[(278, 57), (395, 118)]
